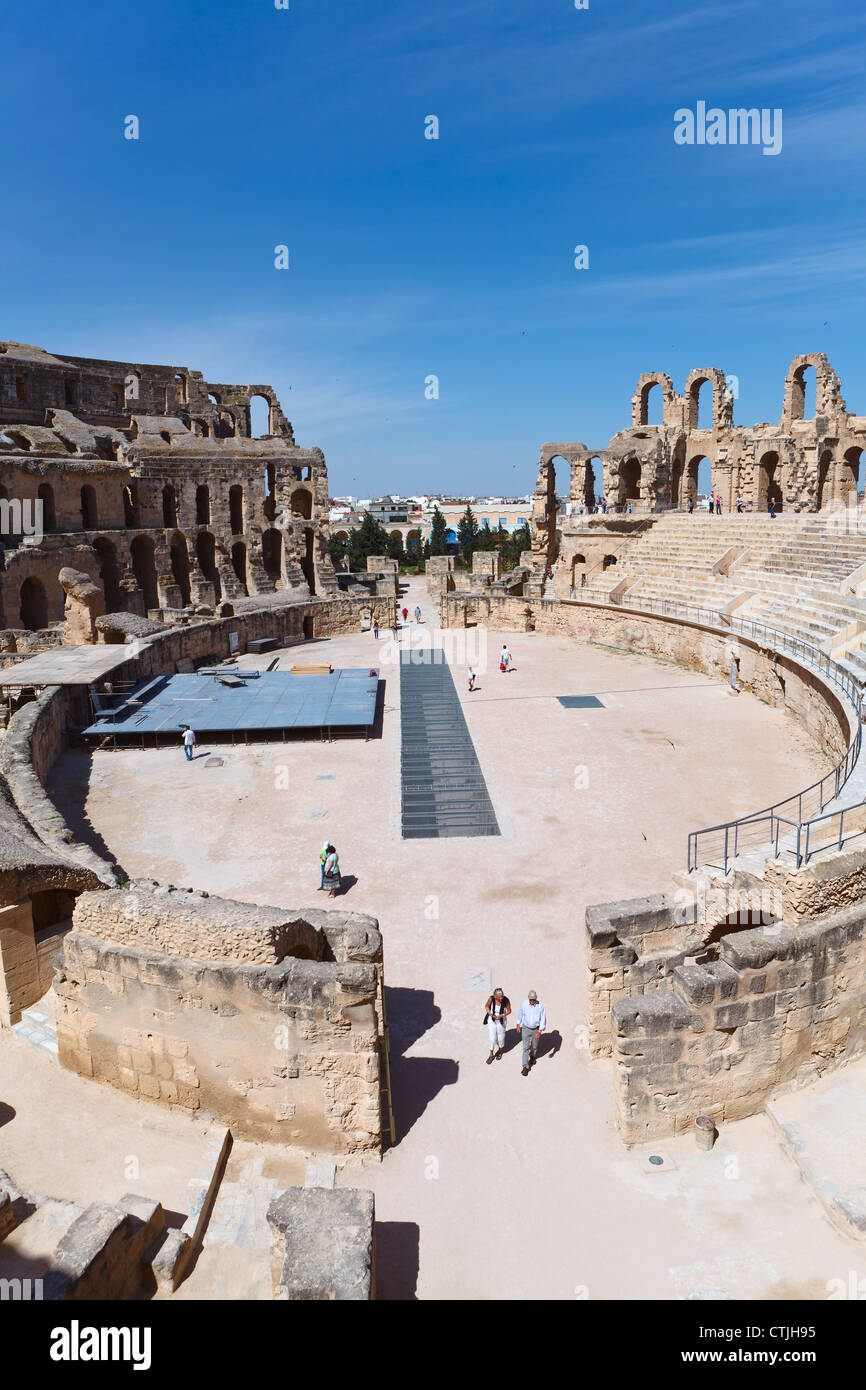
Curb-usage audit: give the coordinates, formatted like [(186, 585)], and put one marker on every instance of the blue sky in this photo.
[(412, 257)]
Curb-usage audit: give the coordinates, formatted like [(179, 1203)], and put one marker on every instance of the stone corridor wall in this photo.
[(781, 1003), (265, 1019)]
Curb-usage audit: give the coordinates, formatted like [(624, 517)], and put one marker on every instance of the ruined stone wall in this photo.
[(781, 1003), (286, 1051)]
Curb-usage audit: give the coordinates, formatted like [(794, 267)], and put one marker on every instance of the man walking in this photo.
[(188, 743), (504, 658), (417, 613), (531, 1023)]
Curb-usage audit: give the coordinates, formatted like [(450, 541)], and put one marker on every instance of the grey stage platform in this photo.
[(267, 702)]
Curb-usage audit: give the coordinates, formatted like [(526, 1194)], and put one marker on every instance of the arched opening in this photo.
[(228, 428), (33, 604), (302, 503), (593, 483), (270, 502), (608, 561), (272, 552), (697, 480), (652, 401), (413, 542), (45, 495), (239, 564), (109, 574), (202, 505), (89, 515), (214, 398), (803, 394), (629, 481), (180, 566), (769, 482), (259, 417), (144, 569), (205, 549), (823, 493), (701, 404), (307, 564), (181, 389), (236, 509), (852, 475), (130, 506), (169, 506), (306, 473)]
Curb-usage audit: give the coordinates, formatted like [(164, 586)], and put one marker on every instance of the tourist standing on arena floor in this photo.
[(188, 742), (504, 658), (405, 614), (471, 679), (376, 628), (417, 613), (532, 1020), (323, 854), (497, 1009), (332, 880)]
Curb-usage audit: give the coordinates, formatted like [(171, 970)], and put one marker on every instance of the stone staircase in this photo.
[(38, 1026)]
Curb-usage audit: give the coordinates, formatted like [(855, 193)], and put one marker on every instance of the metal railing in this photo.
[(718, 845)]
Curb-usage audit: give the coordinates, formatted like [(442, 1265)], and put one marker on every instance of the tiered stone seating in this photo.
[(790, 575)]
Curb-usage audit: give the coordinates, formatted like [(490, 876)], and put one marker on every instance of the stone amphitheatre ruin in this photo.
[(172, 541)]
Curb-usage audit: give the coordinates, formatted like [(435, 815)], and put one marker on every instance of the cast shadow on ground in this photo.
[(548, 1044), (397, 1260), (347, 881), (68, 787), (415, 1081)]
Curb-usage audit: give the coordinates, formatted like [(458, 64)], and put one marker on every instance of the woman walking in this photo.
[(332, 881), (498, 1008)]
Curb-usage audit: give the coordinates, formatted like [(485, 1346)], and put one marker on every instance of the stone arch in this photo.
[(593, 480), (227, 425), (179, 553), (691, 484), (33, 604), (205, 551), (169, 506), (721, 415), (236, 509), (239, 564), (45, 494), (769, 481), (828, 388), (607, 561), (641, 399), (629, 480), (301, 503), (109, 574), (89, 511), (202, 505), (343, 536), (272, 553), (144, 568), (259, 413)]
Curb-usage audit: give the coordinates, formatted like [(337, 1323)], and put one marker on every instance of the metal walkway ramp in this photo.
[(444, 792)]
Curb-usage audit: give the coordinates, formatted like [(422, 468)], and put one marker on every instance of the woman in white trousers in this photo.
[(498, 1008)]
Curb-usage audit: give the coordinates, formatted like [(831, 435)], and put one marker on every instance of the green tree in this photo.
[(368, 539), (336, 549), (438, 543), (467, 534), (511, 547), (485, 539)]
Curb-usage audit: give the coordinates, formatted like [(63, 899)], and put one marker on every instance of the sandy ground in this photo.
[(594, 804)]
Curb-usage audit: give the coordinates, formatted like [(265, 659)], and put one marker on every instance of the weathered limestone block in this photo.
[(85, 603), (323, 1245)]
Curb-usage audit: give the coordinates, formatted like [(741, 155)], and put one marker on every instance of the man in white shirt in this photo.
[(504, 658), (188, 742), (531, 1023)]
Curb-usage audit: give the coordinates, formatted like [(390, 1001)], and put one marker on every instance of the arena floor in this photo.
[(502, 1186)]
